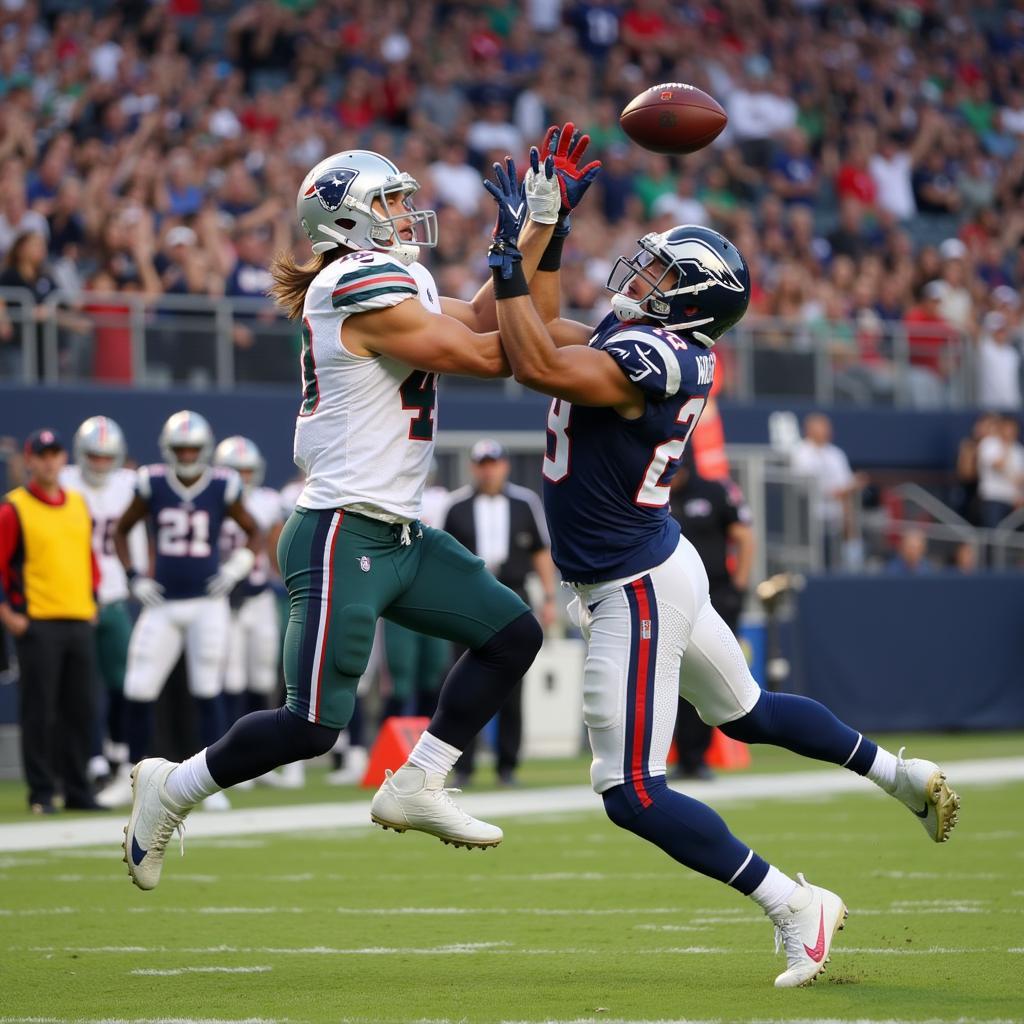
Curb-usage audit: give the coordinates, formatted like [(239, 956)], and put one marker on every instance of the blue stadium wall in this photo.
[(877, 438), (940, 652)]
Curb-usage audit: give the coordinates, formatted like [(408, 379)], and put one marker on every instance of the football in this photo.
[(673, 118)]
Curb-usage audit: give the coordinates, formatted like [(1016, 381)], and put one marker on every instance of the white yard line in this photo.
[(303, 818), (171, 972)]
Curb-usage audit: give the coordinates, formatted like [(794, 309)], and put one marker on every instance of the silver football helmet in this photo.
[(241, 454), (187, 429), (98, 435), (335, 206)]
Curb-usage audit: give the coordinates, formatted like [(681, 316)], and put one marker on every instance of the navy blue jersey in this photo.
[(186, 522), (606, 478)]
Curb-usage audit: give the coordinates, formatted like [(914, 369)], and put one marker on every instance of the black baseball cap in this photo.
[(43, 440), (485, 449)]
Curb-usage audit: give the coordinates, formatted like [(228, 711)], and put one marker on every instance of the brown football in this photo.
[(673, 118)]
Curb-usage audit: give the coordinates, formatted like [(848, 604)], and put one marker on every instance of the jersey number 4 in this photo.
[(183, 534), (419, 395)]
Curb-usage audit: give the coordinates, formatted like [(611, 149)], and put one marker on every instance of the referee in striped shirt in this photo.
[(48, 578)]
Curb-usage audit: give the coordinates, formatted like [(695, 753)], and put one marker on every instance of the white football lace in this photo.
[(788, 935), (169, 824)]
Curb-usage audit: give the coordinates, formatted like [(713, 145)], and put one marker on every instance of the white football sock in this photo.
[(191, 781), (434, 755), (883, 770), (774, 892)]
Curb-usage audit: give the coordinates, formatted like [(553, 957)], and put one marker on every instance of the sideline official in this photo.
[(504, 525), (48, 578), (716, 521)]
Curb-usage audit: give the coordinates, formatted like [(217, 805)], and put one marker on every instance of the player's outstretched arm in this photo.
[(560, 157), (423, 340), (577, 373), (541, 200)]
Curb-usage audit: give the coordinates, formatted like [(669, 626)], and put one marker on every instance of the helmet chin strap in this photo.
[(627, 309)]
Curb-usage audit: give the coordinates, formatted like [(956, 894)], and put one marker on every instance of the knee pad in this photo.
[(517, 644), (754, 725), (307, 739), (352, 630)]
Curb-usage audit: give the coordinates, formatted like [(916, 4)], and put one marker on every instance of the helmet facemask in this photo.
[(653, 306), (353, 211)]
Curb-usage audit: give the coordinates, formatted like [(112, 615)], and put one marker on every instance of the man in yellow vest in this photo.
[(48, 579)]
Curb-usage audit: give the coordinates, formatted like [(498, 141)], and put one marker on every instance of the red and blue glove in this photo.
[(567, 146)]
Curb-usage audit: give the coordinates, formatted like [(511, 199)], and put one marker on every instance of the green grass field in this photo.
[(569, 920)]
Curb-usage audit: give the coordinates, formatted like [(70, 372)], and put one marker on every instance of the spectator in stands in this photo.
[(48, 578), (816, 457), (965, 558), (1000, 472), (999, 365), (911, 557), (930, 340), (794, 175), (965, 499)]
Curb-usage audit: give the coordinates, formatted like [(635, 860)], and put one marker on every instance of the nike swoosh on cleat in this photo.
[(818, 951), (137, 852)]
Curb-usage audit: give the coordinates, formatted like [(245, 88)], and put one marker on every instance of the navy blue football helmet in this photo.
[(688, 278)]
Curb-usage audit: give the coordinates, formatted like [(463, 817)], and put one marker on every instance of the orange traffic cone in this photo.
[(395, 740), (725, 753)]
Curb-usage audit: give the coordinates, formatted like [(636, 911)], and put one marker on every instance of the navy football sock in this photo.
[(688, 831), (263, 741), (139, 719), (805, 727), (481, 680), (211, 719)]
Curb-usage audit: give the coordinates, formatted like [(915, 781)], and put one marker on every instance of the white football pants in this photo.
[(200, 625), (637, 630), (253, 646)]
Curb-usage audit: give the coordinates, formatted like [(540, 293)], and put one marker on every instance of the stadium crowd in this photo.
[(872, 171)]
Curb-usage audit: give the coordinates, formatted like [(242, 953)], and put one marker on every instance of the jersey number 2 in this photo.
[(652, 493), (419, 394), (183, 534)]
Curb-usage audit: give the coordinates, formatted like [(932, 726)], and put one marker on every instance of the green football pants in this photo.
[(343, 571), (113, 631), (416, 662)]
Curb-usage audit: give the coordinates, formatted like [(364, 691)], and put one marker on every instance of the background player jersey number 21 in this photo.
[(181, 533)]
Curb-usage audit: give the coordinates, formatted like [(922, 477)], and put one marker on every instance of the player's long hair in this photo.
[(291, 279)]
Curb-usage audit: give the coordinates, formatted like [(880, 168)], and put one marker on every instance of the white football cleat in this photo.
[(413, 798), (154, 819), (216, 802), (922, 786), (118, 791), (805, 928)]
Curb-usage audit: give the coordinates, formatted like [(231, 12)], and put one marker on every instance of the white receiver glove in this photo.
[(543, 196), (147, 591), (231, 573)]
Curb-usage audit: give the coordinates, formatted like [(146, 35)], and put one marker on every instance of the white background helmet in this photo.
[(98, 435), (186, 429), (240, 454), (335, 206)]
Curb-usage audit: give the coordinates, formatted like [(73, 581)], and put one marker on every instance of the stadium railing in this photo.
[(223, 342)]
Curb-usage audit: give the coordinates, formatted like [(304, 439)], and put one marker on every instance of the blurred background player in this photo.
[(254, 646), (503, 523), (715, 519), (48, 576), (100, 476), (184, 602)]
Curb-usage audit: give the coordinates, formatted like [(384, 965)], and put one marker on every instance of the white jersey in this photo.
[(106, 506), (364, 436), (264, 505)]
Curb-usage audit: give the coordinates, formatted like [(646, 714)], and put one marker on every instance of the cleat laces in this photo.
[(169, 824)]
